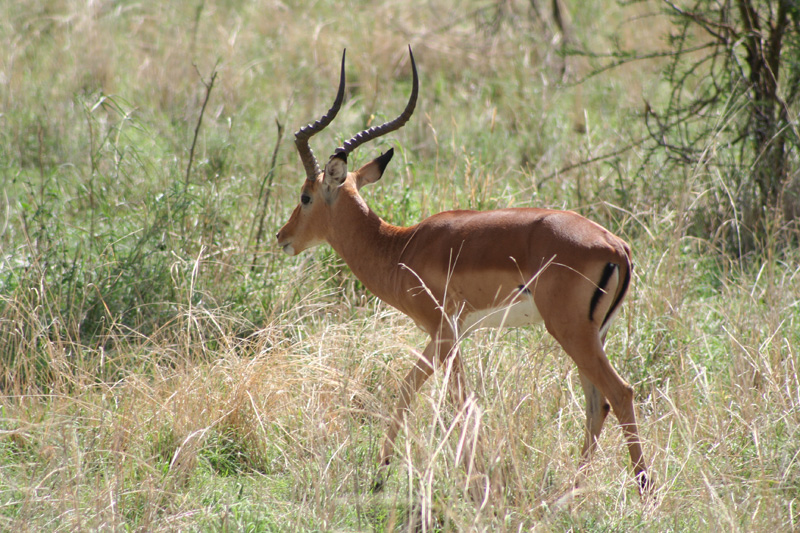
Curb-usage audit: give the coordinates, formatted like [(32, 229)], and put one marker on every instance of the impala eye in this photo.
[(305, 199)]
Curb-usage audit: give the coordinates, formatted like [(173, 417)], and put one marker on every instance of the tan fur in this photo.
[(459, 265), (459, 270)]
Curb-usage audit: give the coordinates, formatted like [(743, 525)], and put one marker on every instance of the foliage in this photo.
[(734, 82), (163, 367)]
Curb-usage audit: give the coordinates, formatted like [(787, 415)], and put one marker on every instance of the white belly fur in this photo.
[(523, 312)]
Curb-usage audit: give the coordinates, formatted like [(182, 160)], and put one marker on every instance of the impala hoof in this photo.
[(645, 483)]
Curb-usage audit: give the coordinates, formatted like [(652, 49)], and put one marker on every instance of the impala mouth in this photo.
[(288, 248)]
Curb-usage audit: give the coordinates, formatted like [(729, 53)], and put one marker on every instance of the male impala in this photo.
[(460, 270)]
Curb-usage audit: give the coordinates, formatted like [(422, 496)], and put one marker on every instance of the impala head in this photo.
[(308, 225)]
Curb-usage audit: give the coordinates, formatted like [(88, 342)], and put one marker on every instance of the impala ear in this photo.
[(336, 169), (372, 171)]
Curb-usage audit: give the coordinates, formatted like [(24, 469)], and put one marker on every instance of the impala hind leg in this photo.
[(597, 409), (422, 370), (587, 352)]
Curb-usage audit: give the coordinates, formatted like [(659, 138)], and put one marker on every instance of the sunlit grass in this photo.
[(162, 370)]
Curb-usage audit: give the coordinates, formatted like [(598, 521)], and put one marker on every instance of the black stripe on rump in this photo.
[(601, 286)]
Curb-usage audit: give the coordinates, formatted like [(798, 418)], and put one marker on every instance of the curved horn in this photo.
[(377, 131), (302, 136)]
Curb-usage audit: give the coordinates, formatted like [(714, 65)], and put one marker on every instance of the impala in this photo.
[(461, 270)]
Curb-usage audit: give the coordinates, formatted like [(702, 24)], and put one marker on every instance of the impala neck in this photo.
[(370, 246)]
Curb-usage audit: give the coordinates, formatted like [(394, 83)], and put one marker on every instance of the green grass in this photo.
[(162, 369)]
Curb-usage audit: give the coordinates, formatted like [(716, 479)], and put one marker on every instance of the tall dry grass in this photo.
[(156, 377)]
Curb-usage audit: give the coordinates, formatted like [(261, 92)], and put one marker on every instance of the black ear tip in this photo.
[(340, 153), (384, 158)]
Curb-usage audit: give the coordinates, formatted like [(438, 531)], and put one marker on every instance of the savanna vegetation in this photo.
[(163, 366)]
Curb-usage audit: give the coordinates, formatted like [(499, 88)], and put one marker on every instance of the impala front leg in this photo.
[(423, 368)]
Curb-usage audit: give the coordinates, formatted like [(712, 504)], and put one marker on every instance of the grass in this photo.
[(162, 369)]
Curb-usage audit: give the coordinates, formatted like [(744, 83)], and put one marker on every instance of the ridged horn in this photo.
[(378, 131), (302, 136)]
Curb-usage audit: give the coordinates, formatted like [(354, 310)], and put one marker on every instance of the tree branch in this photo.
[(266, 190), (209, 86)]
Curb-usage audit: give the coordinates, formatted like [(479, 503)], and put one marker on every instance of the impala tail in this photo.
[(611, 268)]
